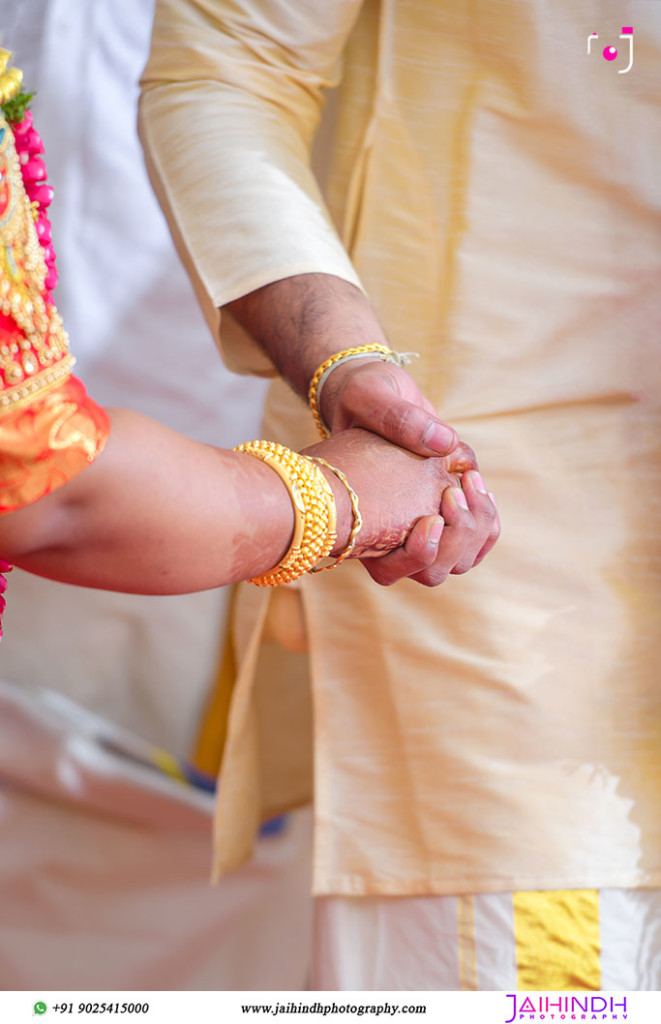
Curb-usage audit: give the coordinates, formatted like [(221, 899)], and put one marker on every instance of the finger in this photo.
[(461, 460), (411, 427), (372, 402), (493, 536), (418, 552), (458, 535), (428, 407), (485, 520)]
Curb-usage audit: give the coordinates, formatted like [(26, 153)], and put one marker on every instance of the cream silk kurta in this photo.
[(498, 191)]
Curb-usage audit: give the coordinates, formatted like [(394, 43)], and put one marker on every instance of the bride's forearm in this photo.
[(156, 513)]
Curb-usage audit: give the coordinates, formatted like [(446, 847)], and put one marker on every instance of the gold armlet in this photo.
[(314, 511)]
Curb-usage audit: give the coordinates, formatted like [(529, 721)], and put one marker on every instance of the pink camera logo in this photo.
[(610, 52)]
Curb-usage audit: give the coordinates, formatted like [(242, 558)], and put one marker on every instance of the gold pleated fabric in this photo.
[(497, 190), (47, 441), (50, 430)]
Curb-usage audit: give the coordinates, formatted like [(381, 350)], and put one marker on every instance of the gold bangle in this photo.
[(314, 511), (313, 401), (324, 371), (357, 518)]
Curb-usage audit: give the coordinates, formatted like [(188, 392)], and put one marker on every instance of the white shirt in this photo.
[(140, 341)]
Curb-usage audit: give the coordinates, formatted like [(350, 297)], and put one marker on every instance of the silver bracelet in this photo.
[(398, 358)]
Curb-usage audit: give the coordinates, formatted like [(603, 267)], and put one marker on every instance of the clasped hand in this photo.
[(426, 510)]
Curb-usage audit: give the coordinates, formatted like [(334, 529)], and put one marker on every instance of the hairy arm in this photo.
[(301, 321)]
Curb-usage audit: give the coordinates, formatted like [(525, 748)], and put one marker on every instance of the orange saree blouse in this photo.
[(50, 429)]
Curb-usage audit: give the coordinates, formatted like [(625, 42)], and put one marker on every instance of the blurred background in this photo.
[(104, 858)]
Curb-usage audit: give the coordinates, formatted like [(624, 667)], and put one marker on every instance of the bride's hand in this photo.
[(419, 520)]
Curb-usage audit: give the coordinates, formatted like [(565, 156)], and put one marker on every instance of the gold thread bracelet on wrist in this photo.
[(324, 371), (357, 518), (315, 515)]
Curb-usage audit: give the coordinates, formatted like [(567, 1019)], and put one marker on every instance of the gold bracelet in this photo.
[(314, 511), (313, 391), (357, 518), (324, 371)]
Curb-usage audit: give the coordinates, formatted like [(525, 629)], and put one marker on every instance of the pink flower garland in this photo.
[(33, 171), (5, 567), (29, 147)]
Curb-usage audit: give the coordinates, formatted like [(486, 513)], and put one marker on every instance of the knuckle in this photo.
[(432, 577), (487, 511), (378, 574), (461, 568), (412, 566), (469, 528), (417, 552), (382, 571), (397, 418)]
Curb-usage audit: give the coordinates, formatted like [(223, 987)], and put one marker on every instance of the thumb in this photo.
[(399, 421)]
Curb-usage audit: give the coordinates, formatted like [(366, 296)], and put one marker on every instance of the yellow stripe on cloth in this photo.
[(467, 951), (557, 940), (167, 763)]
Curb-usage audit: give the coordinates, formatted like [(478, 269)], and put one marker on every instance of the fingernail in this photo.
[(493, 498), (459, 497), (435, 531), (478, 483), (439, 438)]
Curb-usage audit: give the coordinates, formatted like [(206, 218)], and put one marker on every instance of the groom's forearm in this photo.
[(301, 321)]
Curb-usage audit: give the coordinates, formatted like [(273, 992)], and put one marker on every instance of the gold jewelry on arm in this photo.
[(324, 371), (357, 518), (314, 511)]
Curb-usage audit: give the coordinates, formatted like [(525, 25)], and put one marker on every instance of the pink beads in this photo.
[(39, 193), (4, 567), (21, 129), (33, 170), (43, 228), (51, 280)]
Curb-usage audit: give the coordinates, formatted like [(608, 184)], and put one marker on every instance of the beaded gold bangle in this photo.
[(314, 511), (324, 371), (357, 518)]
